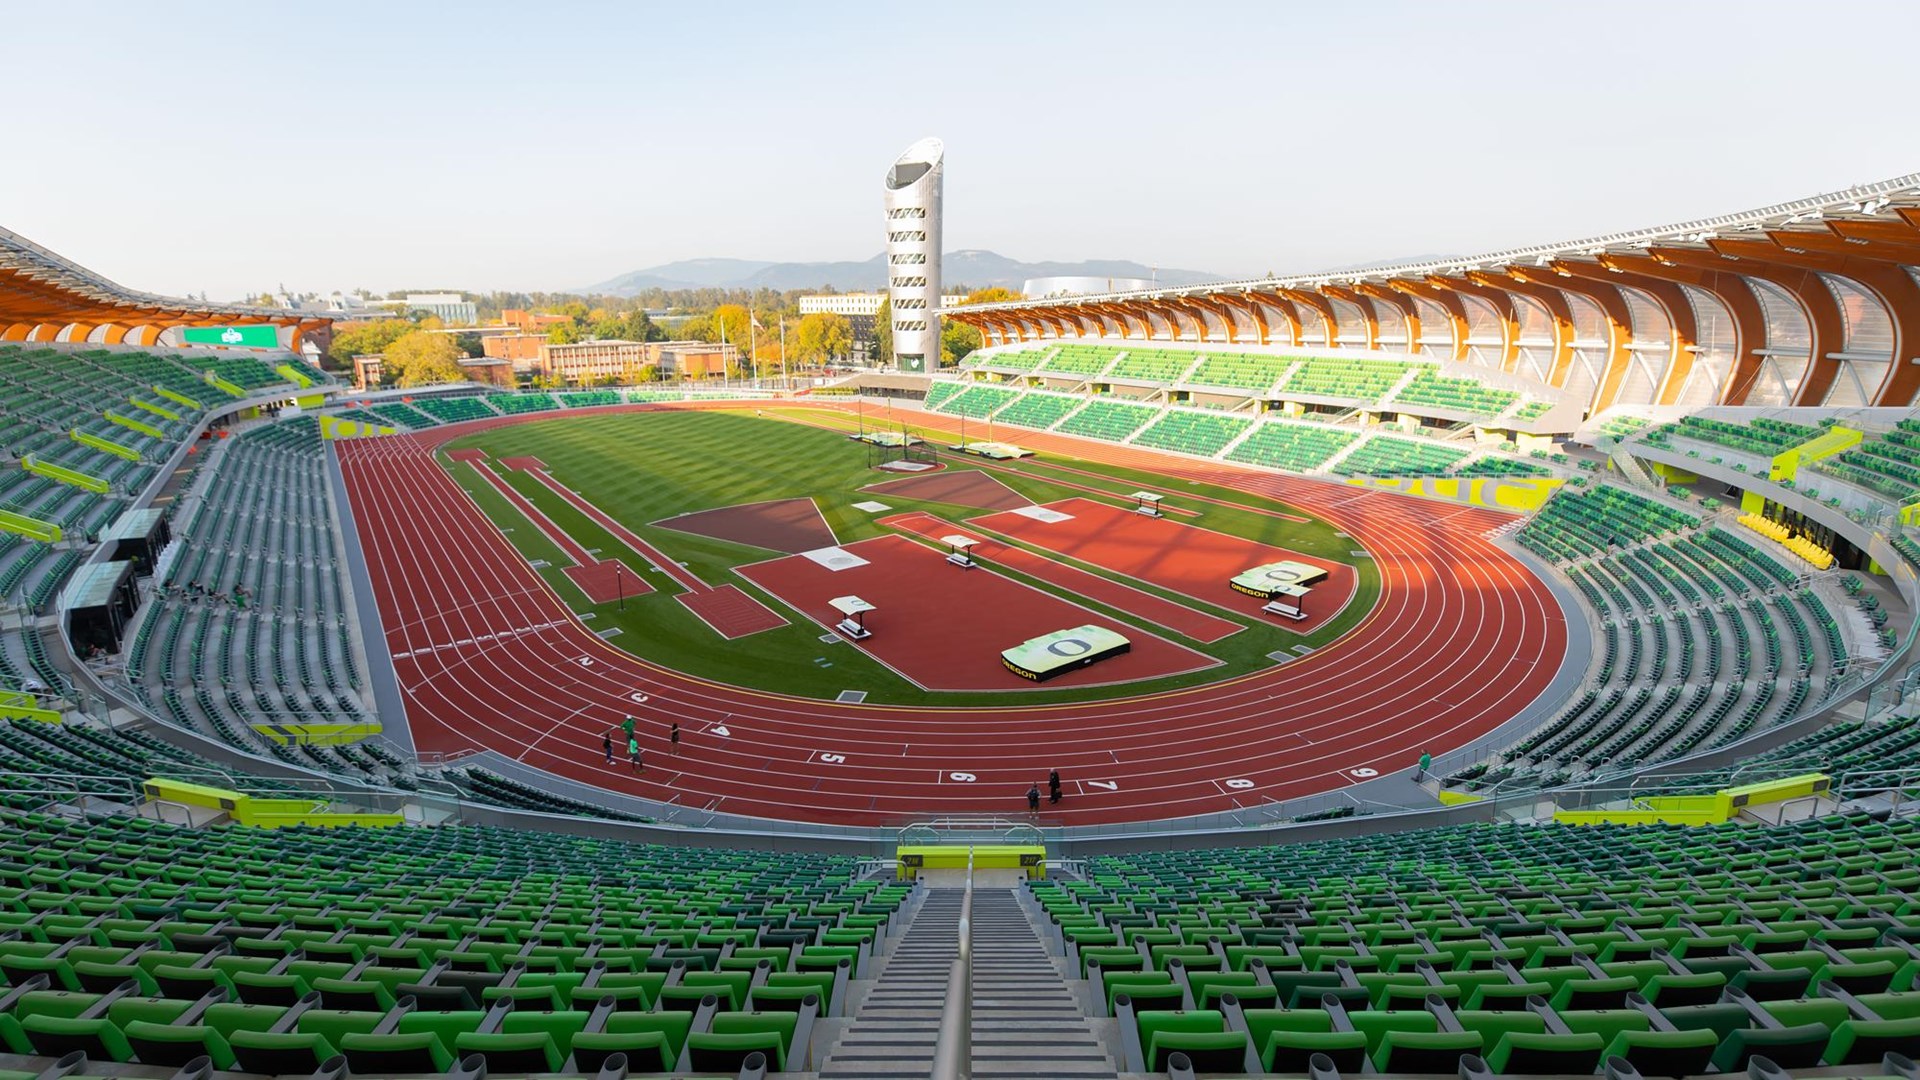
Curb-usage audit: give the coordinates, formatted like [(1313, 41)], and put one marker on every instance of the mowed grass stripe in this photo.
[(644, 467)]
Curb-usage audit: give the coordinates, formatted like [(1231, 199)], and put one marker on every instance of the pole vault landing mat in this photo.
[(789, 525), (968, 487), (1182, 558), (943, 628)]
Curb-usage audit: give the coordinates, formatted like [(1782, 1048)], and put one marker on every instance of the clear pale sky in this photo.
[(228, 148)]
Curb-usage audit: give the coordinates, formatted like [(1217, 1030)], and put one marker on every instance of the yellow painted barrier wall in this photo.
[(20, 705), (293, 375), (32, 528), (87, 438), (181, 791), (264, 813), (156, 410), (72, 477), (911, 859), (318, 734), (225, 386), (1711, 809), (177, 397), (1786, 465), (1637, 817), (131, 424), (1780, 790), (1520, 494), (332, 427), (284, 813)]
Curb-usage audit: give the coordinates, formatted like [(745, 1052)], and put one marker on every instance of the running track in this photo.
[(487, 656)]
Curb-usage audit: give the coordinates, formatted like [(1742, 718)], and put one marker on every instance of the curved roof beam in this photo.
[(1887, 281), (1314, 302), (1367, 317), (1613, 307), (1502, 302), (1824, 322), (1749, 320), (1448, 301), (1684, 327), (1255, 311)]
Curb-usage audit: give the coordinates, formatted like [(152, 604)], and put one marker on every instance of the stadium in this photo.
[(1487, 665)]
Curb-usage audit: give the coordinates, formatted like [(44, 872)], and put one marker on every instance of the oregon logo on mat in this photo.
[(1262, 580), (1041, 658)]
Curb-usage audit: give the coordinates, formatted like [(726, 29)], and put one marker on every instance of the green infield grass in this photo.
[(642, 467)]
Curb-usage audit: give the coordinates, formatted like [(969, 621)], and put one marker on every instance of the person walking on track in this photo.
[(633, 753), (673, 737), (1053, 787), (1033, 801), (606, 745)]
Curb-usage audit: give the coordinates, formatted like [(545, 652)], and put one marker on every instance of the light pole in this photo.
[(620, 577)]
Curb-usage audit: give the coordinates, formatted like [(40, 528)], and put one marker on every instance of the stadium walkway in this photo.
[(1027, 1021)]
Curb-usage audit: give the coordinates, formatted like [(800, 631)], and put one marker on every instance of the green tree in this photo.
[(366, 340), (957, 339), (883, 334), (821, 337), (420, 358), (564, 333), (731, 320)]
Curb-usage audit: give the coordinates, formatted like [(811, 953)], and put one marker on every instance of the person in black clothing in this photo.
[(1053, 786), (606, 744), (1033, 800), (673, 737)]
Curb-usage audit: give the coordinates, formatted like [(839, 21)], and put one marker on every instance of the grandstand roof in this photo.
[(1799, 303), (47, 297)]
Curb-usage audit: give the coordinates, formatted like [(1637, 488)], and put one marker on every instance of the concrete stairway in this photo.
[(894, 1029), (1026, 1020)]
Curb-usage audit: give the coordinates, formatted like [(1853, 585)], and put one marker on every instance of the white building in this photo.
[(913, 254), (846, 304), (450, 308)]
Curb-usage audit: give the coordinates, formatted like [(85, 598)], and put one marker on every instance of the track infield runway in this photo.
[(943, 627), (1182, 558), (488, 657)]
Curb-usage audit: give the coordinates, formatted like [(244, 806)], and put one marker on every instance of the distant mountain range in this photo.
[(971, 268)]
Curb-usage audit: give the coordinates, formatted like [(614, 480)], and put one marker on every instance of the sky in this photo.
[(231, 148)]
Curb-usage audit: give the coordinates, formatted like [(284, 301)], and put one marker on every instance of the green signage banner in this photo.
[(235, 337), (1062, 651)]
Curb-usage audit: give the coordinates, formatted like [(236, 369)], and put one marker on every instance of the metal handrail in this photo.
[(953, 1051)]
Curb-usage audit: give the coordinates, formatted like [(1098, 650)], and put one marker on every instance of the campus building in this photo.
[(449, 308)]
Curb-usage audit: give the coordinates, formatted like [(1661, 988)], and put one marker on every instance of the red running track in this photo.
[(943, 626), (603, 582), (1178, 557), (1462, 638), (1179, 618)]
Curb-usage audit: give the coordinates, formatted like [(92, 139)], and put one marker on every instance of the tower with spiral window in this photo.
[(913, 254)]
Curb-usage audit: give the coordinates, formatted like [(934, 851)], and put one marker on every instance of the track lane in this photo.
[(445, 576)]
